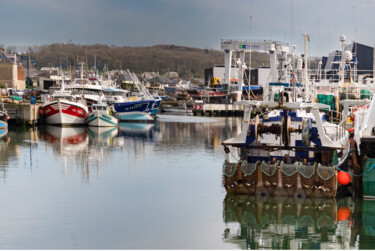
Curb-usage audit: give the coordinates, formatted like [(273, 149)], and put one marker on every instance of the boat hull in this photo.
[(134, 111), (155, 106), (3, 120), (3, 124), (64, 113), (97, 118)]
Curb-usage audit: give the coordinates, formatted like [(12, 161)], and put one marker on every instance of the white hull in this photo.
[(65, 113), (102, 119)]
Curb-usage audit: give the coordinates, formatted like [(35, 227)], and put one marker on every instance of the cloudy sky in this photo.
[(195, 23)]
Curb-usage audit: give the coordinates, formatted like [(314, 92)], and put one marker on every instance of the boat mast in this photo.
[(305, 76)]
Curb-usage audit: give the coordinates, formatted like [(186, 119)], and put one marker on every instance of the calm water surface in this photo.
[(154, 186)]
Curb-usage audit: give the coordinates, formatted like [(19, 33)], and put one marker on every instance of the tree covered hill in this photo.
[(188, 61)]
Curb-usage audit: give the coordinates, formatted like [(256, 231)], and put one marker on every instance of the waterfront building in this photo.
[(11, 74)]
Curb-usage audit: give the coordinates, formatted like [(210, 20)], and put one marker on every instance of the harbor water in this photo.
[(154, 186)]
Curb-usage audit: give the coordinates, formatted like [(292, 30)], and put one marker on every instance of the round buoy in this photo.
[(343, 178), (343, 214), (41, 112)]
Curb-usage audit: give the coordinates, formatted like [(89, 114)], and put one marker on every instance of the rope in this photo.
[(344, 157), (356, 175), (233, 156)]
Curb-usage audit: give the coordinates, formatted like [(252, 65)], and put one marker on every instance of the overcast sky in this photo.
[(195, 23)]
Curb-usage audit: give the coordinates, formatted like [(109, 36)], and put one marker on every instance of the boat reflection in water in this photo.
[(71, 143), (67, 141), (142, 131), (102, 135), (139, 137), (287, 223), (5, 152)]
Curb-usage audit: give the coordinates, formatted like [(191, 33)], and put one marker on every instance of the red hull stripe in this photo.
[(72, 110)]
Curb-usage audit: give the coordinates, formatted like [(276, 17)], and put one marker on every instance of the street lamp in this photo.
[(28, 71)]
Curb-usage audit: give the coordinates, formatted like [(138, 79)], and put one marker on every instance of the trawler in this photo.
[(289, 150)]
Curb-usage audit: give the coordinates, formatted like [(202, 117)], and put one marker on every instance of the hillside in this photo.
[(190, 62)]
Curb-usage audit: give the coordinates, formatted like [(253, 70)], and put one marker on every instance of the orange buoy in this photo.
[(343, 178), (343, 214), (41, 112)]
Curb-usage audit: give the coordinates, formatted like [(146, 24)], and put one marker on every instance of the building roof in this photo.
[(7, 59), (124, 76)]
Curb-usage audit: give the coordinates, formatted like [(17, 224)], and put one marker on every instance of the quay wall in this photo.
[(23, 113), (218, 110)]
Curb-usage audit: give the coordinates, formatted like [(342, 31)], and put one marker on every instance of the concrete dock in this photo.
[(23, 113), (218, 110)]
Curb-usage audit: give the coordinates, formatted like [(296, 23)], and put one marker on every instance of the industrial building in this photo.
[(259, 76), (362, 61)]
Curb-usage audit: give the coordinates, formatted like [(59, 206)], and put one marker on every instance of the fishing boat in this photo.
[(3, 117), (63, 109), (291, 150), (137, 108), (91, 91), (101, 116), (114, 95), (363, 145)]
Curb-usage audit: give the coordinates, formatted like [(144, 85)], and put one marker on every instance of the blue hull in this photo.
[(155, 106), (134, 111), (3, 124)]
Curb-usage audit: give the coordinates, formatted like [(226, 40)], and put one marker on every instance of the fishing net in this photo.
[(229, 177), (269, 177), (366, 94), (250, 177), (289, 174), (248, 168), (289, 169), (229, 169), (307, 171), (268, 169), (328, 100), (325, 182), (307, 178), (325, 172)]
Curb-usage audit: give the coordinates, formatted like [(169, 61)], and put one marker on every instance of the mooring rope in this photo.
[(356, 175)]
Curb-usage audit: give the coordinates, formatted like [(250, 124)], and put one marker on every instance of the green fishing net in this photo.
[(268, 169), (229, 169), (248, 168), (306, 171), (325, 172), (289, 169)]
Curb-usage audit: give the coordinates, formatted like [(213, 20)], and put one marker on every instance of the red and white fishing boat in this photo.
[(63, 109)]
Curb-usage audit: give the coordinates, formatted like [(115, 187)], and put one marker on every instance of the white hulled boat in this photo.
[(63, 109), (100, 116)]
